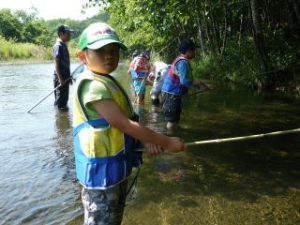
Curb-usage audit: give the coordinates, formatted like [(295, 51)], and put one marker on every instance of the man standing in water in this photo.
[(62, 72)]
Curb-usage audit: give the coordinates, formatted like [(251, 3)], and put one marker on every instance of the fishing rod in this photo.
[(195, 93), (235, 139), (41, 100), (79, 69), (242, 138), (203, 87)]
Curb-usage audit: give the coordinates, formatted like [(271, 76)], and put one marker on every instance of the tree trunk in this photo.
[(200, 33), (258, 35), (209, 38), (225, 33), (295, 7), (240, 33), (216, 37), (200, 37)]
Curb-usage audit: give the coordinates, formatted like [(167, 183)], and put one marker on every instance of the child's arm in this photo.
[(150, 78), (110, 111)]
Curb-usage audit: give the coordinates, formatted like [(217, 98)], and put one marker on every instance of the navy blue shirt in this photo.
[(60, 50)]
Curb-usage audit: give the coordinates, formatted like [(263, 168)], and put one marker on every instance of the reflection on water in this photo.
[(249, 182), (63, 122), (63, 130), (64, 142)]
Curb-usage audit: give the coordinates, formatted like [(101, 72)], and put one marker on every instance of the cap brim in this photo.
[(101, 43)]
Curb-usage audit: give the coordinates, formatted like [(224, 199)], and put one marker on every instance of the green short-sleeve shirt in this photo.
[(91, 91)]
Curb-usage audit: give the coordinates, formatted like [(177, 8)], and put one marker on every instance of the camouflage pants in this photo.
[(104, 207)]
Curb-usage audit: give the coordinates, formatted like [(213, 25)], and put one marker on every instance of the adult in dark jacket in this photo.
[(62, 67)]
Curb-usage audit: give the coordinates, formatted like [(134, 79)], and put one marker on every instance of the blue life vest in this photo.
[(172, 80), (104, 156)]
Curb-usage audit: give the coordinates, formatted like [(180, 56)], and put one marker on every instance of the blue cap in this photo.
[(63, 29)]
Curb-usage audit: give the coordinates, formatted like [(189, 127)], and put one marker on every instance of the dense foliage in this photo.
[(255, 43), (20, 27), (247, 41)]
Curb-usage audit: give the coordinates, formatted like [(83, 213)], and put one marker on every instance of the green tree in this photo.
[(10, 26), (252, 42), (25, 17), (37, 32)]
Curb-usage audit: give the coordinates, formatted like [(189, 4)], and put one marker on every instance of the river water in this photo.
[(249, 182)]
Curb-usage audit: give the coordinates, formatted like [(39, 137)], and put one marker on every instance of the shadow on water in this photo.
[(248, 182), (247, 173), (247, 169), (235, 185)]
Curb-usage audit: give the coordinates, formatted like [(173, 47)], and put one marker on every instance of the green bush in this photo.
[(239, 65), (203, 66)]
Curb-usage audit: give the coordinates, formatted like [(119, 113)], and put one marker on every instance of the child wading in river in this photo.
[(106, 130), (177, 83)]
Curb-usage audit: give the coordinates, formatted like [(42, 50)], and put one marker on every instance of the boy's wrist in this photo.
[(166, 143)]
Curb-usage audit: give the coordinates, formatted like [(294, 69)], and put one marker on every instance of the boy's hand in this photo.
[(153, 149), (150, 78), (63, 82), (175, 144)]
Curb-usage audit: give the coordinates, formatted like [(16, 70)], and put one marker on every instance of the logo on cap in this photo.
[(98, 35), (105, 31)]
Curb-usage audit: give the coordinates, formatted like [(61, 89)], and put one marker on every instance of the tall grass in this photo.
[(10, 50)]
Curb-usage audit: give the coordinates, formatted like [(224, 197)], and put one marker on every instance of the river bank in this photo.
[(12, 51), (24, 62)]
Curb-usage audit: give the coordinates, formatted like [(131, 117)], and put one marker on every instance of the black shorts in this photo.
[(171, 107)]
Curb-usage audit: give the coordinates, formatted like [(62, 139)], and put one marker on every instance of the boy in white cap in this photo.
[(106, 130)]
